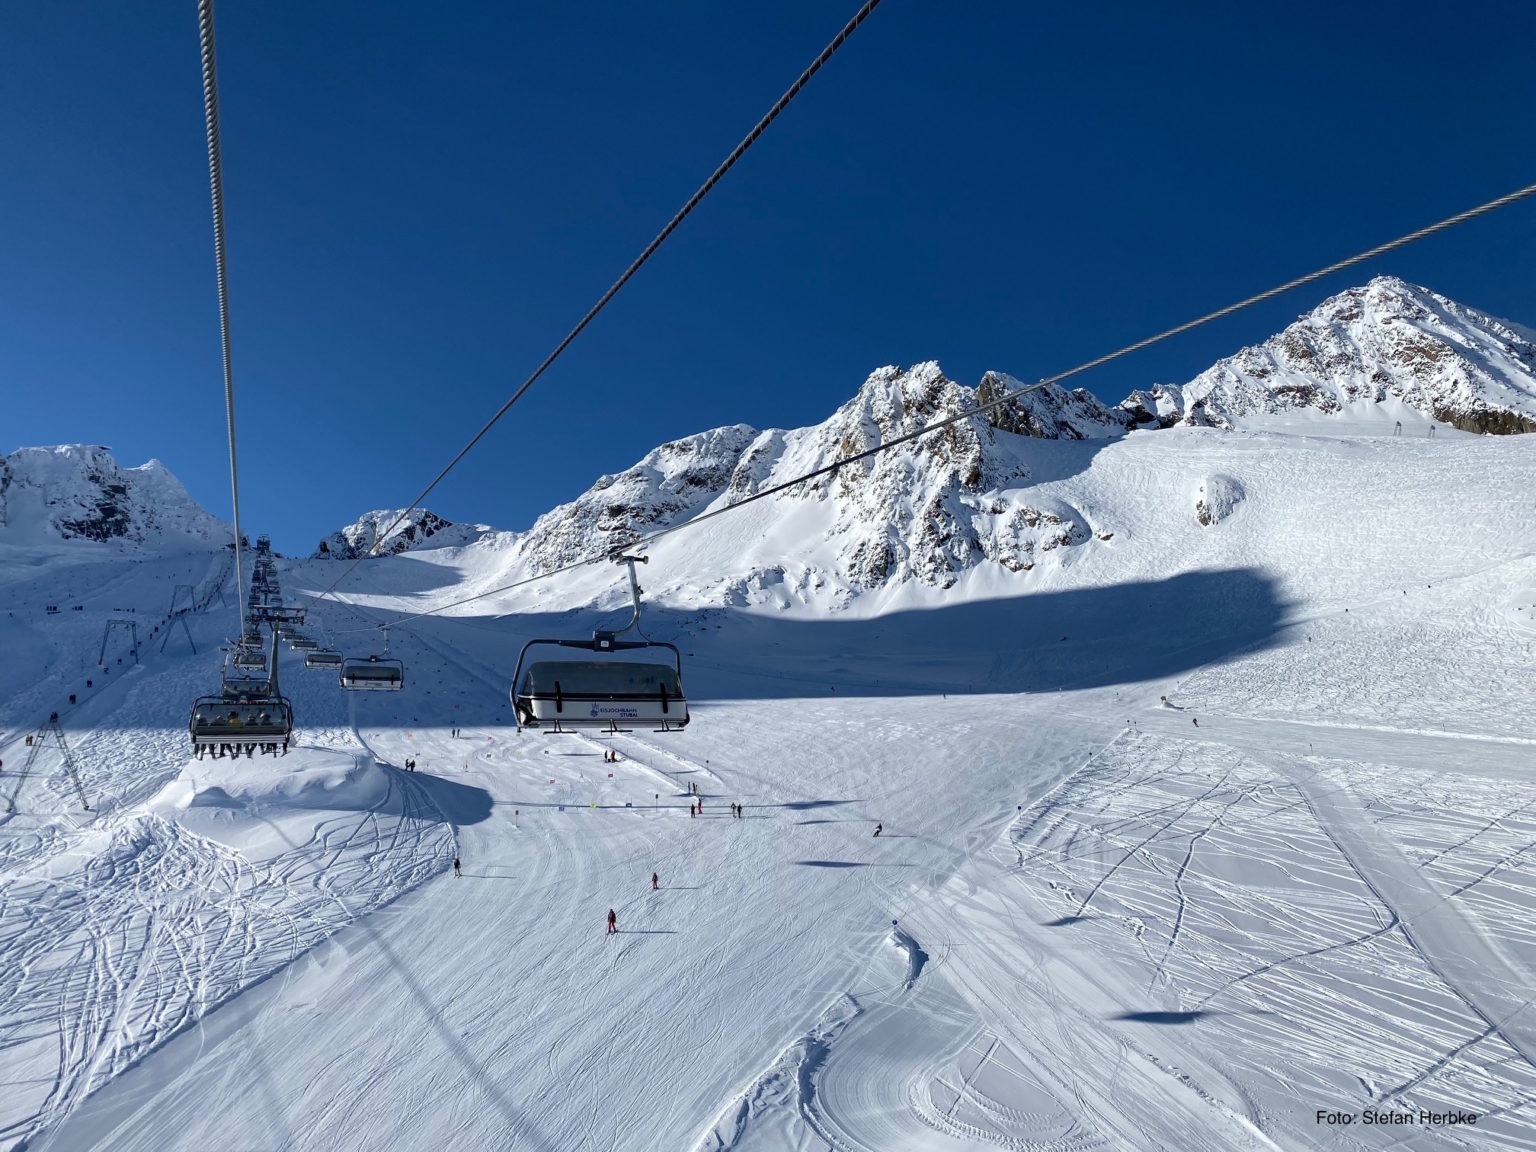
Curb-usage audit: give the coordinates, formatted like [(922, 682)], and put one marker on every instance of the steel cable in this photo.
[(216, 188), (682, 214)]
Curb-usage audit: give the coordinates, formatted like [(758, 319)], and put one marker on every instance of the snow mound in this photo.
[(766, 1114), (245, 802), (915, 957)]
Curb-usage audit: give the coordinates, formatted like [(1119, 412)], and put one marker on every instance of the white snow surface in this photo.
[(1115, 927)]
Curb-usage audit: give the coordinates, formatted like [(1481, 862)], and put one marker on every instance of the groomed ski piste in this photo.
[(1094, 919)]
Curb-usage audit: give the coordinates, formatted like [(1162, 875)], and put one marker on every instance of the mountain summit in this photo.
[(79, 492), (1387, 342), (371, 534)]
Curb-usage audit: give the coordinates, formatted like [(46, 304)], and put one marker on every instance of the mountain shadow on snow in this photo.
[(1071, 639)]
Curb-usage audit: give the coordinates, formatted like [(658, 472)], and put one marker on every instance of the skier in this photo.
[(1195, 720), (654, 881), (456, 871), (692, 811), (613, 921), (879, 828)]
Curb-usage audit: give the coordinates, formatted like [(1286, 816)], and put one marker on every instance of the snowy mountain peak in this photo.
[(80, 492), (1388, 341), (925, 510), (377, 529)]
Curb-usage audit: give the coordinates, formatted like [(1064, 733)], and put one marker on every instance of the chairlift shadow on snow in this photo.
[(1189, 1017), (847, 864)]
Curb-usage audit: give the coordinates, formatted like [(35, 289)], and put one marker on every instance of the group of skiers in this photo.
[(610, 757), (410, 766)]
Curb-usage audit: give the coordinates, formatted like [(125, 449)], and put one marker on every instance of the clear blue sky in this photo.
[(423, 198)]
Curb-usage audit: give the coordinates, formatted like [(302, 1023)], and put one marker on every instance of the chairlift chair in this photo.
[(559, 695), (217, 720), (371, 674), (249, 710), (249, 655), (323, 658)]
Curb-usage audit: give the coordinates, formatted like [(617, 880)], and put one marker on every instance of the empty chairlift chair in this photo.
[(323, 658), (558, 695), (372, 674), (565, 694)]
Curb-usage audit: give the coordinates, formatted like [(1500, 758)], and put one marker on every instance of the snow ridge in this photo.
[(80, 492), (1389, 340)]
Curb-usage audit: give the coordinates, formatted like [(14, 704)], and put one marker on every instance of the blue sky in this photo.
[(423, 198)]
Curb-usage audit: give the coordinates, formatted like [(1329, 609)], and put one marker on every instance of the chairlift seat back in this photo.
[(599, 694), (373, 674)]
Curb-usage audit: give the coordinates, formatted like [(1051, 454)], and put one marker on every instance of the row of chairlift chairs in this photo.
[(250, 711)]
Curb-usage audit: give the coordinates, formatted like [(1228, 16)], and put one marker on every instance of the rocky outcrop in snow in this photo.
[(360, 537), (1387, 340), (927, 510), (667, 485), (1218, 498), (79, 492), (1052, 412)]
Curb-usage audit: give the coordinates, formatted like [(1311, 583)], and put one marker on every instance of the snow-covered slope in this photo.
[(1211, 821), (1118, 928), (79, 492), (361, 536), (1388, 341)]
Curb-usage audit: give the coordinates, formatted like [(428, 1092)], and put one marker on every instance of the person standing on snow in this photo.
[(879, 828), (654, 881), (456, 866), (613, 922)]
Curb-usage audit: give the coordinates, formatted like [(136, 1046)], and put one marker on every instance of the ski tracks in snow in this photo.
[(101, 962)]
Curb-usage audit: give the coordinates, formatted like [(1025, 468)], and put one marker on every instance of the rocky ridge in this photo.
[(79, 492), (372, 534), (1386, 341)]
